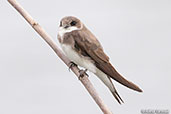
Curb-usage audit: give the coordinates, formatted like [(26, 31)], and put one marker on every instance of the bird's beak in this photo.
[(66, 26)]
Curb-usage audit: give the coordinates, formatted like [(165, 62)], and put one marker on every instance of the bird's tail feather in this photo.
[(107, 81), (117, 97), (115, 93)]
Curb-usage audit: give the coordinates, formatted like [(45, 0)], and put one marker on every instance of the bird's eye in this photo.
[(73, 23), (60, 24)]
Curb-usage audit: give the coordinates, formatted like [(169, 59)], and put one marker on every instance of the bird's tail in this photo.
[(115, 93), (107, 81)]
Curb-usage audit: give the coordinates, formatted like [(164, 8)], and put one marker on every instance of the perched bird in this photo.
[(83, 49)]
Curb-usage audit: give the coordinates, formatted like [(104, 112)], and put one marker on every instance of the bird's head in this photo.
[(70, 23)]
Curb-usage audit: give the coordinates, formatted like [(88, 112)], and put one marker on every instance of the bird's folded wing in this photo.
[(94, 50)]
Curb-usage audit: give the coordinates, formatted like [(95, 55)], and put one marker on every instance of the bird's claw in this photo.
[(82, 73), (71, 64)]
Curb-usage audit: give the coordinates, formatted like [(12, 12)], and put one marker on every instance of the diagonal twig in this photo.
[(85, 81)]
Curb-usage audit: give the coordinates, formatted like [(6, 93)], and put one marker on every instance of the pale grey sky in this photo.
[(136, 35)]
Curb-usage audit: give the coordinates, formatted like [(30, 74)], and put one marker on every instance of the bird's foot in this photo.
[(82, 73), (71, 64)]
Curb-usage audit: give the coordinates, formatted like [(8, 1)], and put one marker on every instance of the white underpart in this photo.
[(87, 64), (83, 61), (76, 58)]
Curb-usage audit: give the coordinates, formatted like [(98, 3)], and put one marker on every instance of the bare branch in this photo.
[(85, 81)]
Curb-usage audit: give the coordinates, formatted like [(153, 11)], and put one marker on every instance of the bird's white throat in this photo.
[(62, 30)]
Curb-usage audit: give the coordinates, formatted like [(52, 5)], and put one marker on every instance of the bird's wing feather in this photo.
[(87, 43)]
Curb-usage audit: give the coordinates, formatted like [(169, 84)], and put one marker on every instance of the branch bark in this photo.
[(85, 81)]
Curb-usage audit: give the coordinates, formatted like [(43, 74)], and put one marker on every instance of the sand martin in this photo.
[(83, 49)]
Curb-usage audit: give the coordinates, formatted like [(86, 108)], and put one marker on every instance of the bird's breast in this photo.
[(78, 58)]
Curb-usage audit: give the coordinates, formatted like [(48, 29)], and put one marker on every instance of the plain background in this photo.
[(135, 34)]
